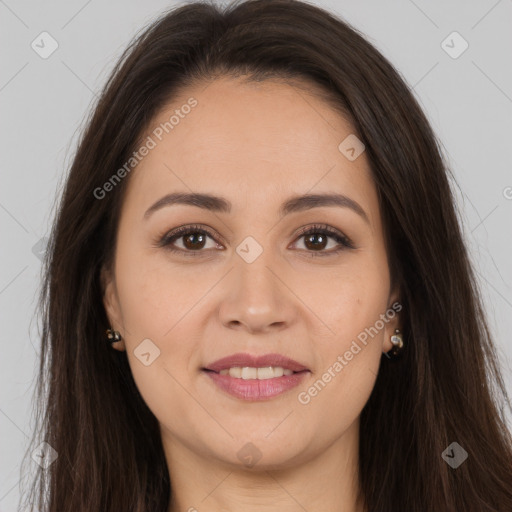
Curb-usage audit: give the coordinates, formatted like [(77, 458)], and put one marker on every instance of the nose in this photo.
[(257, 297)]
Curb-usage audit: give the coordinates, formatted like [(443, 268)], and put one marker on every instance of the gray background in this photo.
[(44, 101)]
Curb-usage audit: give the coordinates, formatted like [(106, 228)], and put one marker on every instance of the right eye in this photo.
[(193, 240)]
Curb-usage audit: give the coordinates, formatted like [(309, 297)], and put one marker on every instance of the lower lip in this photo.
[(255, 389)]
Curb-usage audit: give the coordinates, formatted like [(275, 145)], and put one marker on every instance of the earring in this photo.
[(113, 336), (398, 343)]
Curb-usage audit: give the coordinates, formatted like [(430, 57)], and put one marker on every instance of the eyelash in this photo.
[(323, 229)]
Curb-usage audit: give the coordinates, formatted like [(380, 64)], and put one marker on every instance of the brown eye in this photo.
[(192, 239), (316, 240)]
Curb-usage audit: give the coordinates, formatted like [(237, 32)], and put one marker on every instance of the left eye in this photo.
[(194, 238)]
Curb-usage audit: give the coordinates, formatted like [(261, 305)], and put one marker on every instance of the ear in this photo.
[(111, 304), (393, 315)]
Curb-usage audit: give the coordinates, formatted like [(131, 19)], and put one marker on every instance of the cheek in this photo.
[(158, 302), (334, 399), (152, 296), (352, 306), (352, 297)]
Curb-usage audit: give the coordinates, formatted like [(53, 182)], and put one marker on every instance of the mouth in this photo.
[(252, 378), (252, 373), (266, 366), (255, 378), (254, 389)]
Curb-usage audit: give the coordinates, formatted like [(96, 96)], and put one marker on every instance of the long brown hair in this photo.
[(446, 388)]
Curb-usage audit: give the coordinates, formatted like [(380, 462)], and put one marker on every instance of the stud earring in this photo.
[(398, 343), (113, 336)]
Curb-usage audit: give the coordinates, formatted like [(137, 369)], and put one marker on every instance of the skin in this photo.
[(255, 145)]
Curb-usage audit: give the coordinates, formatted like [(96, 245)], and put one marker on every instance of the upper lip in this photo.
[(244, 360)]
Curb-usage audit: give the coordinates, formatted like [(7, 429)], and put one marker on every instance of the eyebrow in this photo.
[(294, 204)]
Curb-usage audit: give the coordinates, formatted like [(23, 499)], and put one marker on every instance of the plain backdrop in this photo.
[(44, 101)]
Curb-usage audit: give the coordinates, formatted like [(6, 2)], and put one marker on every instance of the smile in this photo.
[(247, 384)]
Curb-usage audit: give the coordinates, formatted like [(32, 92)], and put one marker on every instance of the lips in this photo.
[(248, 360)]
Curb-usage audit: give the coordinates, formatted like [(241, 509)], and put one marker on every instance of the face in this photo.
[(309, 282)]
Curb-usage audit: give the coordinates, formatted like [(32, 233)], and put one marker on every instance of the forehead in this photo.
[(259, 139)]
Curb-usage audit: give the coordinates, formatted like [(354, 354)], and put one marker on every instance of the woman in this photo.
[(257, 293)]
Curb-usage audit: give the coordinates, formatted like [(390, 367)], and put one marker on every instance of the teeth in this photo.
[(246, 373)]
